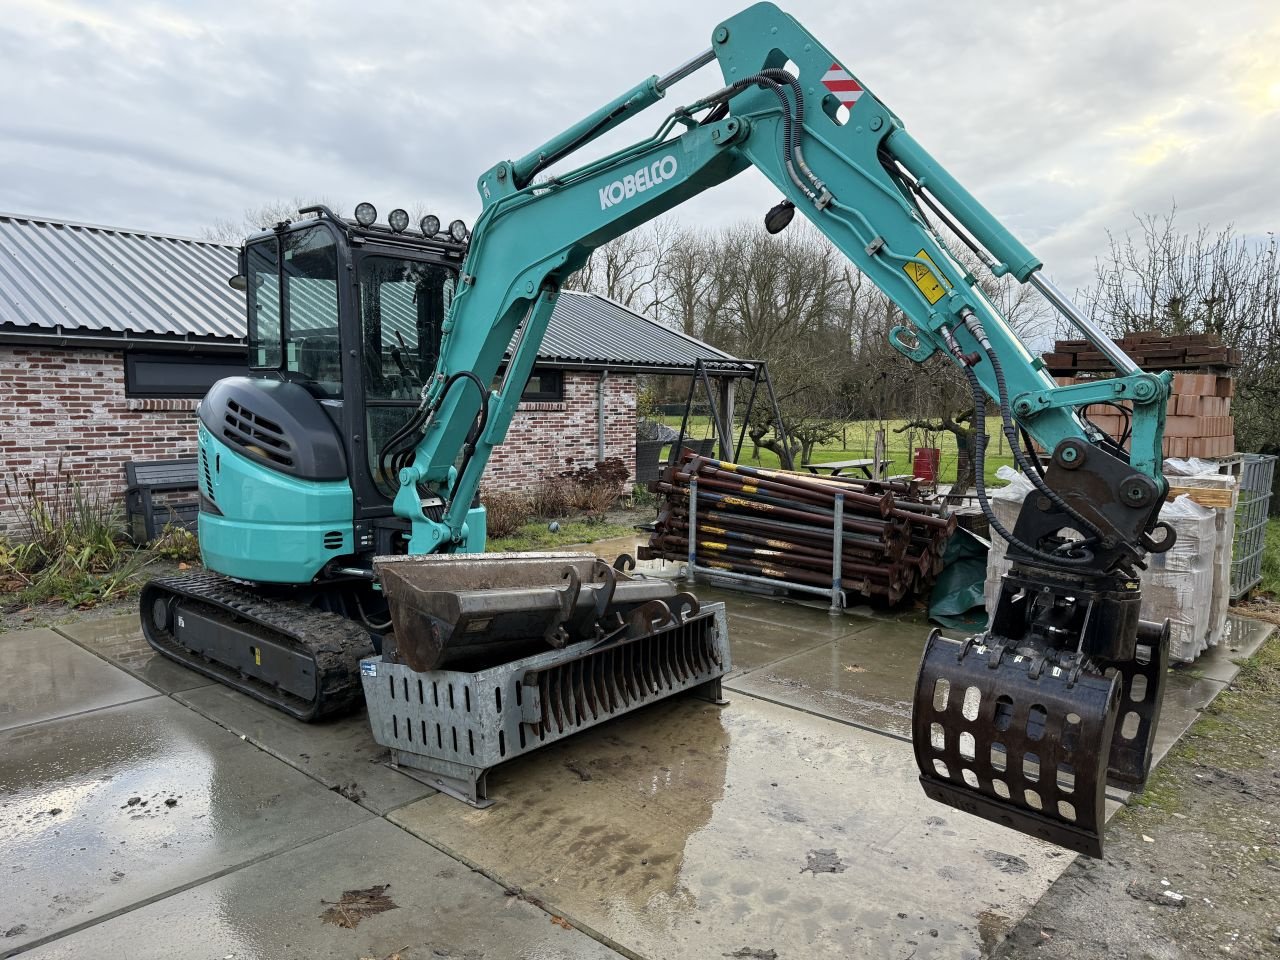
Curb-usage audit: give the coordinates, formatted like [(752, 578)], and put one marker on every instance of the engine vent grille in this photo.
[(208, 475), (333, 540), (253, 432)]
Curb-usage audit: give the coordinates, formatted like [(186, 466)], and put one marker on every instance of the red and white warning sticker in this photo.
[(839, 81)]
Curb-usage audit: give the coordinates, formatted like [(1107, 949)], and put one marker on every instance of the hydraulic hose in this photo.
[(469, 448), (397, 452), (980, 484), (1011, 430)]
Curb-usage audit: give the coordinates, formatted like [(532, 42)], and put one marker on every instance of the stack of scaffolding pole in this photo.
[(833, 536)]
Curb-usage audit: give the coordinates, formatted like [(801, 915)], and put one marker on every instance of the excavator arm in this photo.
[(1022, 724)]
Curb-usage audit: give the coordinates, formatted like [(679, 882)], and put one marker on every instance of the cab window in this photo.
[(293, 308)]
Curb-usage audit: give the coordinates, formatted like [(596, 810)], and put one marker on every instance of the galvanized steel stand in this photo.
[(835, 592)]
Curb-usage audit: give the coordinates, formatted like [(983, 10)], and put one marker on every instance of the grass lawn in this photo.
[(858, 441), (537, 535), (1271, 560)]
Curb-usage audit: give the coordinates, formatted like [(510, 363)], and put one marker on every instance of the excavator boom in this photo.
[(1030, 731)]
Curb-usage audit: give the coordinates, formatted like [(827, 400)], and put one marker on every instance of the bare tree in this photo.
[(1200, 281), (629, 269), (234, 230)]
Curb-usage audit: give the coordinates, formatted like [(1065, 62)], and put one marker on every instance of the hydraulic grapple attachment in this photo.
[(1027, 724), (495, 655)]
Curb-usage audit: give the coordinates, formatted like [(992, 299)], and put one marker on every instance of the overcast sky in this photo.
[(1063, 118)]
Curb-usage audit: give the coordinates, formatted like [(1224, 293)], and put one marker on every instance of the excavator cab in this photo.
[(349, 314)]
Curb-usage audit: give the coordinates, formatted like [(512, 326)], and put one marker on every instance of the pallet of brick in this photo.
[(1175, 583), (1201, 481), (1198, 420), (1149, 350)]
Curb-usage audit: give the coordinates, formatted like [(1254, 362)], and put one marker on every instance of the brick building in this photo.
[(109, 337)]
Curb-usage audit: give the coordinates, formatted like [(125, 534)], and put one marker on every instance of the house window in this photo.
[(543, 386), (177, 374)]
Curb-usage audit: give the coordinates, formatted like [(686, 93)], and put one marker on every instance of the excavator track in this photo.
[(284, 653)]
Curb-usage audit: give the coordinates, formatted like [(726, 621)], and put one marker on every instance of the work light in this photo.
[(458, 230), (398, 220), (366, 214), (430, 225)]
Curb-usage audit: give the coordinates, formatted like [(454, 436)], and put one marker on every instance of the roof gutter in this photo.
[(675, 370), (121, 342)]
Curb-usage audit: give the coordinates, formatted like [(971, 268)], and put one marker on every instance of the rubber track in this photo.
[(335, 644)]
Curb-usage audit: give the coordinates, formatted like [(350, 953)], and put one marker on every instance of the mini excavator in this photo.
[(344, 541)]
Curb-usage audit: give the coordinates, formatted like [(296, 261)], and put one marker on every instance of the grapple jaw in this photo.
[(1027, 724)]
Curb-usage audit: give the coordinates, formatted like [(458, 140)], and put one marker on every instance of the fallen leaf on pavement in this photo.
[(356, 905)]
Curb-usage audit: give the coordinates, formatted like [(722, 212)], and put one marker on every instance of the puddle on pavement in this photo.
[(119, 639), (339, 752), (104, 809), (1239, 641), (1185, 696), (684, 830), (867, 678)]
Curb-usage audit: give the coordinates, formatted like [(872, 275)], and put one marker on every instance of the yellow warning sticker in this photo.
[(925, 279)]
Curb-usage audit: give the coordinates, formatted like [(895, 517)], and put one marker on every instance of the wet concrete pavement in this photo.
[(788, 821), (689, 830), (46, 676), (273, 908), (120, 805)]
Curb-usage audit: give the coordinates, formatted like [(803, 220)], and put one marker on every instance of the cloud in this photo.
[(1065, 118)]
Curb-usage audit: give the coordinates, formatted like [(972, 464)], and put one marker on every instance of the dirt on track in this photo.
[(1193, 865)]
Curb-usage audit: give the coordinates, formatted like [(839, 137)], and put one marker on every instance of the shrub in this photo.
[(61, 522), (593, 490), (177, 543), (72, 542), (505, 512), (549, 500)]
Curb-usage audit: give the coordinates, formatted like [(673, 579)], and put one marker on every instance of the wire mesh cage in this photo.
[(1254, 471)]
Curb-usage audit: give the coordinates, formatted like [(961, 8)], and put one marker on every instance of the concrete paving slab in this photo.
[(340, 753), (867, 679), (1185, 696), (689, 831), (272, 909), (120, 640), (1241, 640), (88, 828), (755, 643), (43, 676)]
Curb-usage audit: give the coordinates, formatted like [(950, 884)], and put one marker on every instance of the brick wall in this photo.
[(69, 406), (548, 438)]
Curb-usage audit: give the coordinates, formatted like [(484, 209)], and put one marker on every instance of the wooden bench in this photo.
[(143, 479)]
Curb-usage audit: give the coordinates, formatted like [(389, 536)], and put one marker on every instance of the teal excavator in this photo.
[(340, 524)]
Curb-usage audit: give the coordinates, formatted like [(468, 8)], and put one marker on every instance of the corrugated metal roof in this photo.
[(77, 279), (586, 328)]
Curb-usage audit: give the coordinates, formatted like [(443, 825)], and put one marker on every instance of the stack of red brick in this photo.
[(1198, 421)]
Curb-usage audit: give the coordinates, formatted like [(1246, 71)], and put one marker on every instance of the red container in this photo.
[(925, 465)]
